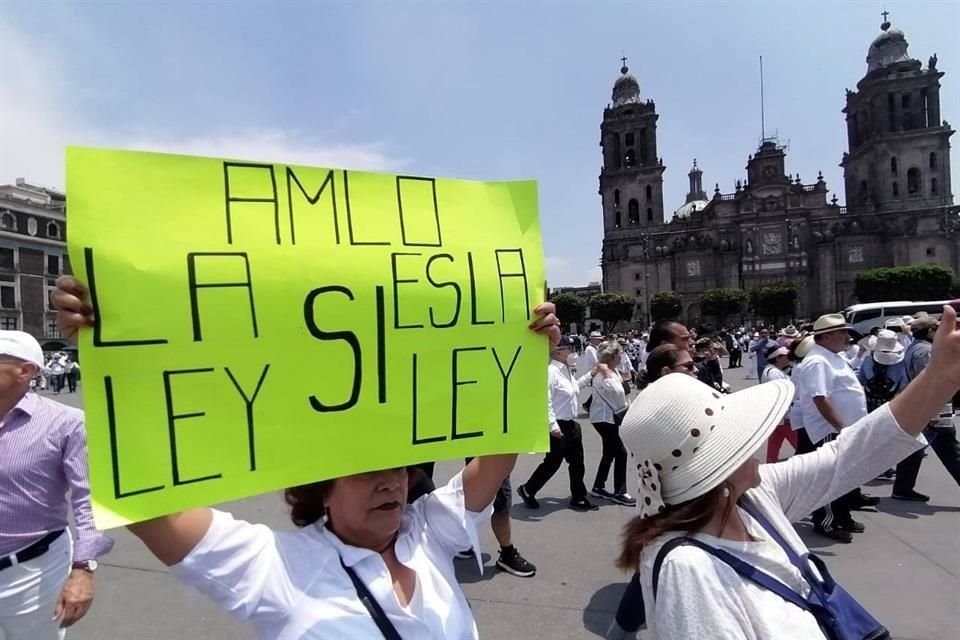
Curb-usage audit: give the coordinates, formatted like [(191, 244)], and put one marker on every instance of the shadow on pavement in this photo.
[(551, 505), (913, 510), (603, 604), (467, 572), (814, 540)]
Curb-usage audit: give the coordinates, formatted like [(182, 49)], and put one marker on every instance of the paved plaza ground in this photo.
[(905, 568)]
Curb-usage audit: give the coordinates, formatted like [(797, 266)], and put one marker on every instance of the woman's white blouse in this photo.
[(290, 584), (612, 398), (700, 596)]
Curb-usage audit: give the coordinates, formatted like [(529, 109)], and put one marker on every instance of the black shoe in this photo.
[(910, 495), (513, 563), (528, 500), (583, 505), (834, 534), (851, 526), (625, 499), (600, 492), (464, 555), (864, 501)]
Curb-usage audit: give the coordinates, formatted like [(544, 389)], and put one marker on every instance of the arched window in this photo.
[(896, 190), (913, 181), (616, 197), (933, 186), (7, 221), (893, 166), (633, 211), (649, 214), (933, 160), (616, 219), (862, 192), (53, 230), (649, 193), (630, 158), (629, 140)]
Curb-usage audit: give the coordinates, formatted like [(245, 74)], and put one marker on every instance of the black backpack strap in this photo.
[(373, 607)]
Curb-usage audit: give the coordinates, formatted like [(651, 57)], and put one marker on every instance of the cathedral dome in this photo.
[(690, 207), (626, 89), (887, 48)]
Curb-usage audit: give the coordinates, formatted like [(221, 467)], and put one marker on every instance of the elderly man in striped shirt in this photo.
[(46, 573)]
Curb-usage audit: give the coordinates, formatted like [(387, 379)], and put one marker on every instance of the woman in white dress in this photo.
[(718, 516)]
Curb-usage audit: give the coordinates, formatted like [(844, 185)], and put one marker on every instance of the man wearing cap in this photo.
[(46, 573), (830, 399), (941, 434), (566, 440)]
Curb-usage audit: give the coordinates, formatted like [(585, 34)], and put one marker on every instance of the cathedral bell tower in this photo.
[(631, 180), (898, 154)]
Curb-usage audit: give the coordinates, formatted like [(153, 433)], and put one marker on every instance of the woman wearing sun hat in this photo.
[(779, 359), (701, 482)]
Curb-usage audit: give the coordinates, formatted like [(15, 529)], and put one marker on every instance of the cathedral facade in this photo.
[(774, 228)]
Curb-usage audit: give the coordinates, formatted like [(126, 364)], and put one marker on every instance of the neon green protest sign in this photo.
[(262, 325)]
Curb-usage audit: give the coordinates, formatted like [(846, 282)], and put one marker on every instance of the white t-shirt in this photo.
[(700, 596), (771, 372), (823, 373), (291, 586)]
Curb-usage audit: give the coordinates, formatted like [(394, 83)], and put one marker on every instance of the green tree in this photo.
[(774, 302), (955, 289), (571, 309), (611, 308), (721, 303), (665, 305), (918, 282)]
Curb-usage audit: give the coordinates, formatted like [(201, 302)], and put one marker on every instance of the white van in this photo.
[(866, 316)]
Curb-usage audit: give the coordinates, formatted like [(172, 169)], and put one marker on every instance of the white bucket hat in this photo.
[(888, 350), (690, 438)]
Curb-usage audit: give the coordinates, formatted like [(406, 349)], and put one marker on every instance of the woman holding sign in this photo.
[(361, 565)]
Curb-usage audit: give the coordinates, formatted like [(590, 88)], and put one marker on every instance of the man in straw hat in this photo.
[(883, 372), (941, 433), (705, 501), (831, 399)]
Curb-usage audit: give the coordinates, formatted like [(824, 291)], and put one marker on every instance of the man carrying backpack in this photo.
[(883, 372)]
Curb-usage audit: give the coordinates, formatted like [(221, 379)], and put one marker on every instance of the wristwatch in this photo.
[(86, 565)]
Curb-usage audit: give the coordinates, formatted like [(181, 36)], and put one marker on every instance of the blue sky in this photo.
[(474, 90)]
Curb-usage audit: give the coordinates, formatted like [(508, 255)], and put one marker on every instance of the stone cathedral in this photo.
[(773, 227)]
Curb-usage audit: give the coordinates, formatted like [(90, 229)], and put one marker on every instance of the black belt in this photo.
[(35, 550)]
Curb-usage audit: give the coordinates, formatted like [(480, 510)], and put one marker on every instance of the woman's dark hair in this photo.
[(306, 502), (687, 517), (666, 355), (792, 350), (662, 332)]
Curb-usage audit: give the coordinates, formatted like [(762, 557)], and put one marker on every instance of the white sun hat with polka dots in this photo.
[(688, 438)]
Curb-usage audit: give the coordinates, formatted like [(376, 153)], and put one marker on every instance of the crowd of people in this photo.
[(59, 370), (711, 546)]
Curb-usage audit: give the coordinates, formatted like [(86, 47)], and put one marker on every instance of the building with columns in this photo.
[(774, 227), (33, 252)]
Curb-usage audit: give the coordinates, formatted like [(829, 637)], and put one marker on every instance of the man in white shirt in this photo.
[(587, 362), (566, 440), (830, 399)]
